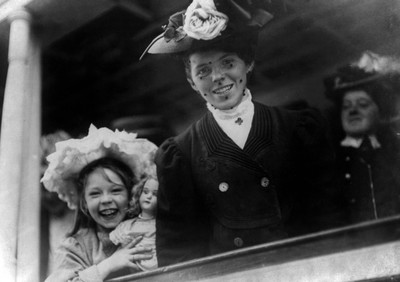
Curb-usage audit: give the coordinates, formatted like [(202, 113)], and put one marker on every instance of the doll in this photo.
[(144, 225)]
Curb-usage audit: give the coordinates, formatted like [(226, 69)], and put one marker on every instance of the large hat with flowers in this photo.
[(72, 155), (205, 21), (376, 74)]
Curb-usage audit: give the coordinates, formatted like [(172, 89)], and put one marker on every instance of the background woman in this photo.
[(95, 176), (367, 179), (233, 178)]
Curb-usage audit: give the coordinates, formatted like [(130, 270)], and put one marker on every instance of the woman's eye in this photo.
[(346, 105), (228, 63), (364, 104), (203, 72)]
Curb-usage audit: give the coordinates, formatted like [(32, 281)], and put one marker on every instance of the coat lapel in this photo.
[(220, 145)]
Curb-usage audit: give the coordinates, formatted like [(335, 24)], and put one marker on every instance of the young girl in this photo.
[(145, 204), (94, 175)]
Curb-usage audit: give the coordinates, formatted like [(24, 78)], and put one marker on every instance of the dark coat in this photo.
[(215, 197), (369, 182)]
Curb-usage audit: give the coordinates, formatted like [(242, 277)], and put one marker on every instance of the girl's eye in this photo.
[(94, 194), (117, 190)]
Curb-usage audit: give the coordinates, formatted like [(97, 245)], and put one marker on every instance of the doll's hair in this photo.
[(136, 192), (82, 216)]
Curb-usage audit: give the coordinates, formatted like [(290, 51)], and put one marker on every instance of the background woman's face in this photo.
[(219, 77), (360, 114), (106, 198)]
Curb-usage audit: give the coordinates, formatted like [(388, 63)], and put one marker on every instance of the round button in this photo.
[(264, 182), (223, 187), (347, 176), (238, 242)]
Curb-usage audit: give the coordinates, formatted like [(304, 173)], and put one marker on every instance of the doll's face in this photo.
[(106, 198), (360, 114), (148, 197), (219, 77)]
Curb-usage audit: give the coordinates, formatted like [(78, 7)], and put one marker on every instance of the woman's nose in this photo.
[(217, 75)]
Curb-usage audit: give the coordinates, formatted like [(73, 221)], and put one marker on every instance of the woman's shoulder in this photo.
[(177, 146)]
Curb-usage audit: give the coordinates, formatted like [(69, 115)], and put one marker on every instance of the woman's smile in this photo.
[(223, 90)]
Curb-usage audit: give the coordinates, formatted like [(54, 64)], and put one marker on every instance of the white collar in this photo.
[(356, 142), (242, 109)]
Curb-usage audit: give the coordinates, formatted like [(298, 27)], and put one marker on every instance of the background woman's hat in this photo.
[(210, 21), (378, 75)]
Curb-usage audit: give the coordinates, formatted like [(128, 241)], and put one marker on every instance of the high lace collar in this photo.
[(243, 108)]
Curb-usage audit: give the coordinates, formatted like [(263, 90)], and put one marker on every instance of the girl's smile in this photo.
[(106, 198)]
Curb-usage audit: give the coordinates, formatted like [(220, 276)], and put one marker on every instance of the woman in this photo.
[(368, 156), (230, 180), (95, 175)]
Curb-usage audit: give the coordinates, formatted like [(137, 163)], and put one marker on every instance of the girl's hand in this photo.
[(124, 257)]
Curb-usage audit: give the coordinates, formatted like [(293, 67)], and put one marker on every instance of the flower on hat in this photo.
[(72, 155), (203, 21), (371, 62)]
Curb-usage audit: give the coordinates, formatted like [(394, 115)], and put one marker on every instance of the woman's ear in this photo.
[(192, 84), (250, 67)]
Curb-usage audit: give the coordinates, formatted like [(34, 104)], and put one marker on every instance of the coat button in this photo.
[(264, 182), (238, 242), (223, 187), (347, 176)]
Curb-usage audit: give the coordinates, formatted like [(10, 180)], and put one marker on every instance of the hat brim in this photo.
[(160, 45)]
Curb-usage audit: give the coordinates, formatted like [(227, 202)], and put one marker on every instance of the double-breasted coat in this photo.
[(215, 197)]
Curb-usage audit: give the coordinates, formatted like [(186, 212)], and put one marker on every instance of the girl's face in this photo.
[(360, 114), (106, 198), (219, 77), (148, 198)]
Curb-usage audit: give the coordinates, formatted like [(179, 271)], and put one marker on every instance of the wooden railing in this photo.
[(368, 251)]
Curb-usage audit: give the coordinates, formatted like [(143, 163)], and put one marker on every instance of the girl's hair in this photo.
[(136, 192), (82, 216)]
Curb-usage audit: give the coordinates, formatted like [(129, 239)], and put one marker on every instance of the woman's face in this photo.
[(106, 198), (148, 198), (219, 77), (360, 114)]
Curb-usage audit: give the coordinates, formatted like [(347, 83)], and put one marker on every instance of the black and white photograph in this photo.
[(200, 140)]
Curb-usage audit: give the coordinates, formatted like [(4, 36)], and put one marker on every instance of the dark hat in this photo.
[(377, 75), (207, 22)]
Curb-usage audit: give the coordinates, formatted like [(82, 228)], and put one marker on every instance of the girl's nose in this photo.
[(105, 198)]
